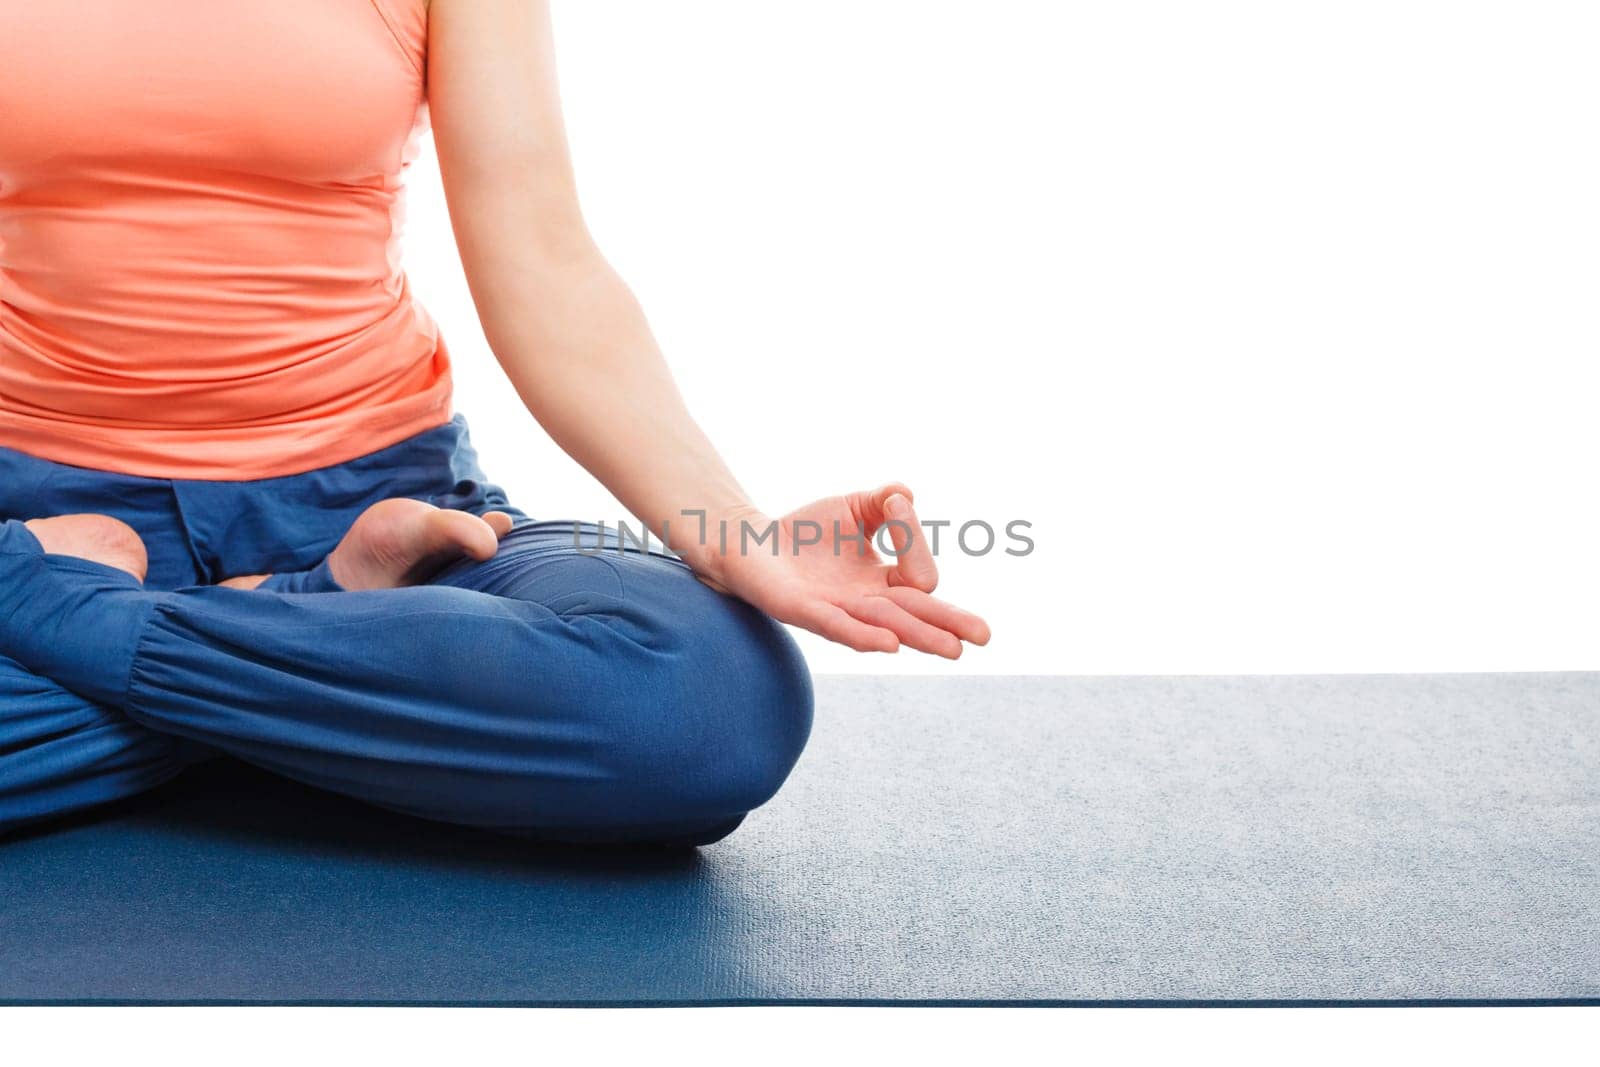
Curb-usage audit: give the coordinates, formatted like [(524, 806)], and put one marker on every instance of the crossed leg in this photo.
[(545, 690)]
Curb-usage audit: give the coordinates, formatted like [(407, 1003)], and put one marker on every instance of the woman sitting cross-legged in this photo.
[(238, 513)]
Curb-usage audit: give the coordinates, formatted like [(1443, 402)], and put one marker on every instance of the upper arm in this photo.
[(495, 109)]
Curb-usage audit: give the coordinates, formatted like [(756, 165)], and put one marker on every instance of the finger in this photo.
[(941, 613), (498, 521), (836, 624), (911, 630), (913, 560), (869, 506)]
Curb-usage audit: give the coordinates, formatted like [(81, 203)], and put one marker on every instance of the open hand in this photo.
[(816, 568)]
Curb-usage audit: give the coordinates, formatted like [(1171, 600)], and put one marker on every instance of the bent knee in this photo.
[(731, 713), (60, 753)]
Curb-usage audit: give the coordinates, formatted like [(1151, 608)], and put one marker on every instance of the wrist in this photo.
[(712, 541)]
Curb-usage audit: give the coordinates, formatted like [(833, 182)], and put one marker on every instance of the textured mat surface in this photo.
[(1037, 840)]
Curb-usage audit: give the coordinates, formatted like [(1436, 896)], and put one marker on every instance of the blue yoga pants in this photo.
[(553, 691)]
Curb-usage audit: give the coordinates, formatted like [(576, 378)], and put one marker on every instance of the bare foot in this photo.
[(405, 542), (94, 537)]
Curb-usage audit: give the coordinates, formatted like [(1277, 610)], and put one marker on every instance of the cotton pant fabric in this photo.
[(564, 689)]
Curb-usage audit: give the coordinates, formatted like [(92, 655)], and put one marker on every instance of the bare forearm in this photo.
[(578, 349), (565, 327)]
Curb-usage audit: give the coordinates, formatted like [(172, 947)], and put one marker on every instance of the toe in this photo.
[(466, 533)]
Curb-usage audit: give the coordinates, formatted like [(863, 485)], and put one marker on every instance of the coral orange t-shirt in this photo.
[(201, 204)]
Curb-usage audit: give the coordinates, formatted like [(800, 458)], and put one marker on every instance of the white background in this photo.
[(795, 1037), (1278, 321)]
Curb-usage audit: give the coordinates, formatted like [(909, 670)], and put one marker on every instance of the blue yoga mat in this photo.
[(1028, 840)]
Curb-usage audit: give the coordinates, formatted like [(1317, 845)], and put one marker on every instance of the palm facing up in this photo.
[(816, 567)]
